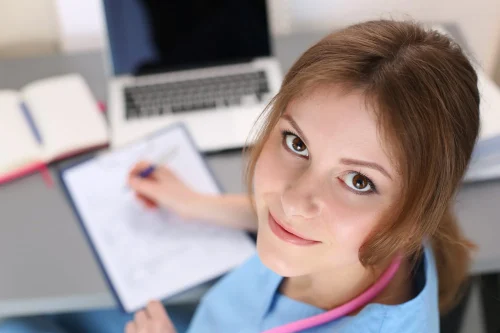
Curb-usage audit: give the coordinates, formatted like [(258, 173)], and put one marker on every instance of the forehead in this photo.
[(340, 123)]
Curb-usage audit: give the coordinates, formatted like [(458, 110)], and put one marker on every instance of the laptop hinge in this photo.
[(158, 68)]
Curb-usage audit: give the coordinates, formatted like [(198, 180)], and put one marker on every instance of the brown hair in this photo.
[(424, 92)]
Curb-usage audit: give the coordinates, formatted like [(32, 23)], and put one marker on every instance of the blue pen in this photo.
[(147, 172), (144, 173), (150, 169)]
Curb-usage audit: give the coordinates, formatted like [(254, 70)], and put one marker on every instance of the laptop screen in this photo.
[(150, 36)]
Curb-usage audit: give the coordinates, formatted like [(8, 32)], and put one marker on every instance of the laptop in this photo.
[(205, 63)]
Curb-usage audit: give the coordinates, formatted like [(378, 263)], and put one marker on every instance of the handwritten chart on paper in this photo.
[(151, 254)]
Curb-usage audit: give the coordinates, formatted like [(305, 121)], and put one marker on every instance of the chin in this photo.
[(277, 259)]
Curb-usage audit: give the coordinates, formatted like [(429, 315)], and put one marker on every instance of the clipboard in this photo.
[(228, 248)]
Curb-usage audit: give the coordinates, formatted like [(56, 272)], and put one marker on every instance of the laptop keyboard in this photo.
[(195, 94)]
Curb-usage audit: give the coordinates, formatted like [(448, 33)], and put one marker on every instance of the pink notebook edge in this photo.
[(22, 171), (42, 167)]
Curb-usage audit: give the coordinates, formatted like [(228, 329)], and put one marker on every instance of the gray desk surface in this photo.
[(45, 261)]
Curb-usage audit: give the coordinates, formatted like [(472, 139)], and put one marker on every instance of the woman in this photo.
[(351, 177)]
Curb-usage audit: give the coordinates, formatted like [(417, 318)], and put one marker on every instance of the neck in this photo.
[(330, 289)]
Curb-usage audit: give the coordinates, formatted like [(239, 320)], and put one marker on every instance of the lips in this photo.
[(287, 234)]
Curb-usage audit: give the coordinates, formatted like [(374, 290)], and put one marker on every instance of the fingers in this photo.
[(138, 167), (148, 203), (158, 314), (130, 327), (146, 187), (148, 190), (164, 173), (156, 310), (136, 183), (161, 172), (141, 320), (153, 319)]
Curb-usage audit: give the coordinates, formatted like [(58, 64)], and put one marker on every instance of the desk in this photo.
[(47, 265)]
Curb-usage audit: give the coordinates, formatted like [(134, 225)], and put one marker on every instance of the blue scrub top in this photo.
[(248, 301)]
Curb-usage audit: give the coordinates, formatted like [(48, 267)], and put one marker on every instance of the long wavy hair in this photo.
[(424, 91)]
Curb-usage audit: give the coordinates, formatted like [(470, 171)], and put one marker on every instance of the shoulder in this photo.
[(239, 299), (420, 314)]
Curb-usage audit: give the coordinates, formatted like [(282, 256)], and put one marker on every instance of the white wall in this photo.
[(28, 26), (82, 26), (479, 20), (79, 24)]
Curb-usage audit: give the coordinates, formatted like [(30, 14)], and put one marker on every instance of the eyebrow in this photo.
[(295, 127), (345, 161), (371, 165)]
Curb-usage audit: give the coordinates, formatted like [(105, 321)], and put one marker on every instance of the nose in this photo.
[(301, 197)]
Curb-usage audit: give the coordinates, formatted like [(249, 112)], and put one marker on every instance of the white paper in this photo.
[(152, 254)]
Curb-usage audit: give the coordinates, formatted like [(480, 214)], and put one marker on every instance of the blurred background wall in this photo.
[(30, 27)]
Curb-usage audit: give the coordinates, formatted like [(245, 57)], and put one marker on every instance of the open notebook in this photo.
[(46, 121), (151, 254)]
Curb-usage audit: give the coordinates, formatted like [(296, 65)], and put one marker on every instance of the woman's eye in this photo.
[(359, 183), (295, 144)]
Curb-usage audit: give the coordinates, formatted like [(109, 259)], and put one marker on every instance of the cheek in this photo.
[(270, 173), (348, 226)]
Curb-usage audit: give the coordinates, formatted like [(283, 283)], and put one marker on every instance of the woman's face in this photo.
[(321, 183)]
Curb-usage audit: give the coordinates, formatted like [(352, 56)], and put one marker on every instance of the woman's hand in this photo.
[(162, 188), (153, 319)]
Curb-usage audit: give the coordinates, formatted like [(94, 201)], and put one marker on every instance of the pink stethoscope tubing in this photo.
[(344, 309)]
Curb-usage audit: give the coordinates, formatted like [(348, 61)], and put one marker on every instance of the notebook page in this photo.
[(152, 254), (18, 145), (66, 114)]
